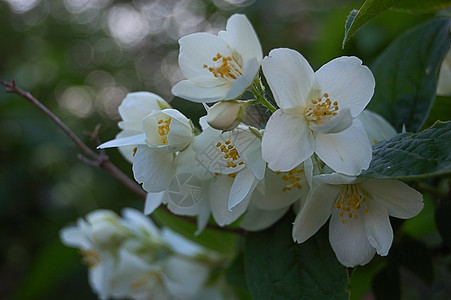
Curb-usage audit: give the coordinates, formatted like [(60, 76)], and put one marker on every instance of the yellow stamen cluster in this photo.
[(320, 108), (90, 257), (349, 202), (230, 154), (225, 67), (293, 178), (163, 130)]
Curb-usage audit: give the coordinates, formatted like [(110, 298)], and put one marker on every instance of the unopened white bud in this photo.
[(226, 115)]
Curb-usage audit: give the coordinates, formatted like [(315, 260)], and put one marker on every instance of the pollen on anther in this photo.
[(292, 178), (349, 203), (320, 108), (163, 130), (230, 154)]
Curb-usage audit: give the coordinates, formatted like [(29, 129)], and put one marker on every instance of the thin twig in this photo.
[(100, 159)]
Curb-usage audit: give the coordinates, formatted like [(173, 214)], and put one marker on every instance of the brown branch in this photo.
[(100, 159)]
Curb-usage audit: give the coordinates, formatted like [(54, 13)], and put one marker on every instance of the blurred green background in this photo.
[(80, 58)]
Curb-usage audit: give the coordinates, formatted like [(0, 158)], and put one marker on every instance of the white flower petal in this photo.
[(197, 50), (153, 169), (188, 90), (136, 106), (274, 197), (129, 270), (287, 141), (153, 201), (240, 85), (378, 228), (337, 124), (290, 78), (184, 277), (444, 77), (349, 241), (249, 148), (179, 244), (348, 152), (133, 140), (348, 82), (376, 127), (242, 187), (127, 151), (137, 221), (100, 276), (401, 200), (241, 36), (336, 178), (218, 196), (314, 213), (73, 236), (203, 216), (258, 219)]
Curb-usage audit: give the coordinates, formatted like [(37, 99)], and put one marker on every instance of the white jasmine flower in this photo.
[(358, 209), (133, 109), (165, 132), (134, 259), (317, 111), (235, 153), (275, 194), (97, 239), (174, 277), (219, 67)]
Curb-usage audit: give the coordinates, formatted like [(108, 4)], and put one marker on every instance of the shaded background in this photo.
[(80, 58)]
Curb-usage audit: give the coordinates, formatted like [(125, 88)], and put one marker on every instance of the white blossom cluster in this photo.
[(308, 156), (131, 258)]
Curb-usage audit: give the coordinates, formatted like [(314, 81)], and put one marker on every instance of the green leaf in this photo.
[(443, 220), (278, 268), (411, 156), (357, 18), (406, 74), (417, 6), (235, 273), (221, 241)]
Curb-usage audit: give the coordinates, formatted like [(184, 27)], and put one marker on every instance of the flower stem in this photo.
[(258, 90)]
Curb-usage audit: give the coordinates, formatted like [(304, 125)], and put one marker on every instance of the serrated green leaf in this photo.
[(411, 156), (418, 6), (278, 268), (406, 74), (221, 241), (358, 18), (443, 220)]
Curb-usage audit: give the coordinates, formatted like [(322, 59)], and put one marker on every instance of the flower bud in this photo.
[(226, 115)]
